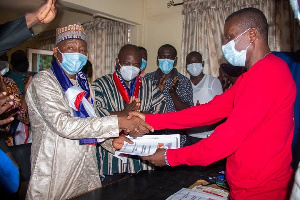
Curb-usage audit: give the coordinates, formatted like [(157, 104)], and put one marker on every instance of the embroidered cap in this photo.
[(74, 31)]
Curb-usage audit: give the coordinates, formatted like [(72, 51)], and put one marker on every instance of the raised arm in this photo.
[(202, 115), (16, 32), (258, 101)]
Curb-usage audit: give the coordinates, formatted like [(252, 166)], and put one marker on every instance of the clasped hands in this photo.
[(173, 87), (157, 158), (134, 125)]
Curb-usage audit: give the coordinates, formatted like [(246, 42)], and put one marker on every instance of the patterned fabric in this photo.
[(108, 100), (16, 110), (203, 23), (127, 93), (75, 31), (78, 96), (184, 91)]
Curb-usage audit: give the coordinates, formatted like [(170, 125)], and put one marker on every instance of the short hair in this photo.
[(194, 53), (130, 47), (18, 57), (142, 48), (251, 18), (19, 61), (167, 46)]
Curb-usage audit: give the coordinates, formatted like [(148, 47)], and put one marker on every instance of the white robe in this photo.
[(60, 167)]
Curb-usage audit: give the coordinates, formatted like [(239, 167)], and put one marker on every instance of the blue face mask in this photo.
[(144, 64), (166, 65), (233, 56), (72, 62)]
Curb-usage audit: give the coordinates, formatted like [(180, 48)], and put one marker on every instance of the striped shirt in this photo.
[(107, 100)]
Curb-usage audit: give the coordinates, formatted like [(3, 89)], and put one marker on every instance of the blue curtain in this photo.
[(293, 61)]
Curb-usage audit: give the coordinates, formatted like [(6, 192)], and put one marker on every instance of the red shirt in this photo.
[(256, 137)]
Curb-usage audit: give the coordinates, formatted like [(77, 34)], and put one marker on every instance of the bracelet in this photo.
[(166, 160)]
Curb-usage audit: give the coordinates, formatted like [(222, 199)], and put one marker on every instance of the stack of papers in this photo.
[(185, 194), (211, 190), (147, 144)]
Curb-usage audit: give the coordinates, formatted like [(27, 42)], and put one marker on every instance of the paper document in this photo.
[(147, 144), (185, 194), (211, 190)]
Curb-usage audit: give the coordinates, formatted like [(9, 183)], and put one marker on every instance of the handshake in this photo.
[(132, 121), (135, 125)]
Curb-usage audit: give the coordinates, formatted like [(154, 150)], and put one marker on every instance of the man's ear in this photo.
[(118, 64), (175, 61), (55, 52), (253, 33)]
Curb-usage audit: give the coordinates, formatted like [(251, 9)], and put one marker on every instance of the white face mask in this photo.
[(194, 68), (233, 56), (295, 7), (129, 72), (4, 67)]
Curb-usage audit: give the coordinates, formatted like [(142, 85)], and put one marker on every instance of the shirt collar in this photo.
[(158, 74)]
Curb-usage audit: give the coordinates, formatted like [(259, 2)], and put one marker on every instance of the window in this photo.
[(39, 59)]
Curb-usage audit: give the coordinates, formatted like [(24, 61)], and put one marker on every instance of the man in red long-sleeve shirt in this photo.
[(258, 132)]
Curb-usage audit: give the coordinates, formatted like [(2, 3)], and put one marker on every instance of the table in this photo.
[(157, 184)]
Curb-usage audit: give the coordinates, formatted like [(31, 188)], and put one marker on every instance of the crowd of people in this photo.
[(77, 124)]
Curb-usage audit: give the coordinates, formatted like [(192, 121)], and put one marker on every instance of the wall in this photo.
[(162, 25), (129, 11), (64, 17), (153, 23)]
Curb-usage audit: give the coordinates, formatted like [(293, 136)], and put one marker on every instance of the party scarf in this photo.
[(76, 96), (126, 92)]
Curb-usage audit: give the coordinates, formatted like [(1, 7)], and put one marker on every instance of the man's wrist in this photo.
[(31, 20), (172, 92), (166, 158)]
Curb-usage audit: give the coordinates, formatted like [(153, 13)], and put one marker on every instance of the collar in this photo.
[(158, 74)]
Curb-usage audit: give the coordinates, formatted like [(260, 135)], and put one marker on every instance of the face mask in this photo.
[(233, 56), (129, 72), (166, 65), (144, 64), (195, 68), (4, 67), (72, 62), (295, 7)]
